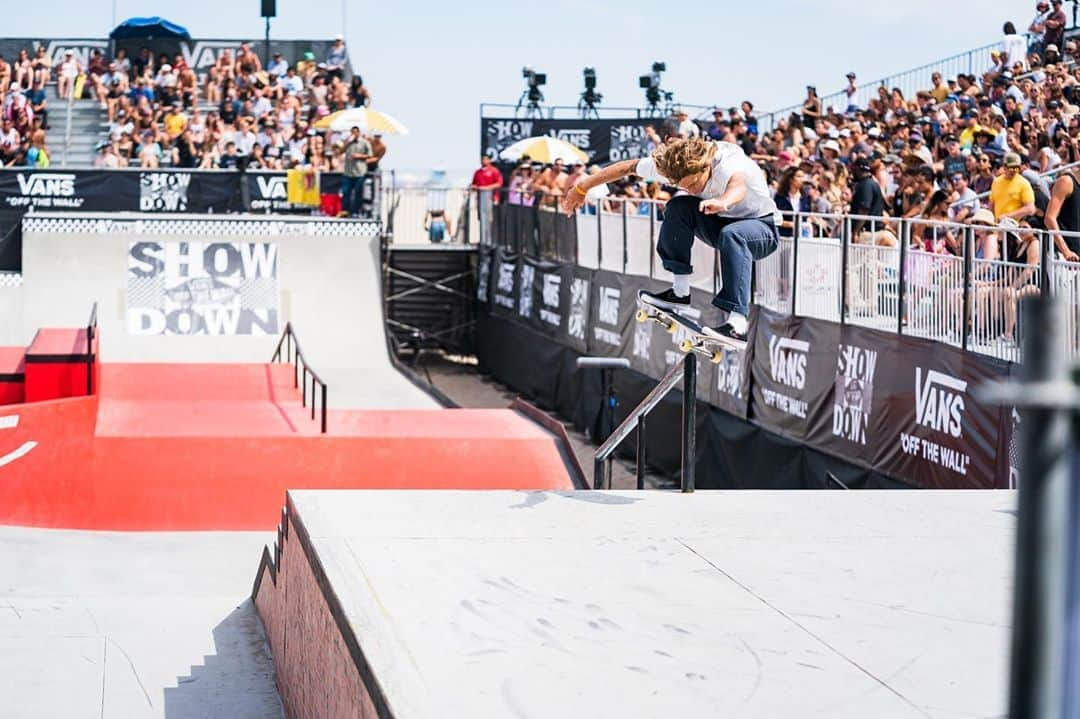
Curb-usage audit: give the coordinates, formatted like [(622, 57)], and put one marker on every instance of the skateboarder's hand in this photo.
[(572, 200), (712, 207)]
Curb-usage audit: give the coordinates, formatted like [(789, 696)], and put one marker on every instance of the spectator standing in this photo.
[(486, 182), (811, 108), (1055, 26), (378, 151), (938, 90), (685, 127), (1011, 195), (1063, 215), (748, 117), (1013, 47), (357, 152), (720, 126), (337, 57), (850, 91)]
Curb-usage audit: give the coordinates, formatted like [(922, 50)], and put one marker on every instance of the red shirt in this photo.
[(489, 175)]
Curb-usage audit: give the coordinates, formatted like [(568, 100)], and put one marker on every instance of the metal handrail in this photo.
[(686, 369), (91, 329), (295, 356)]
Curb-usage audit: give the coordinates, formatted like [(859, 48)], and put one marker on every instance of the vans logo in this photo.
[(80, 49), (939, 401), (787, 361), (47, 184), (205, 54), (273, 188)]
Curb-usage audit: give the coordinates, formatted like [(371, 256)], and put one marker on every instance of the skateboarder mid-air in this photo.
[(724, 199)]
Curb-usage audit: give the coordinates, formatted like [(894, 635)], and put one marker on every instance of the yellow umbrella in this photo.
[(364, 118), (544, 149)]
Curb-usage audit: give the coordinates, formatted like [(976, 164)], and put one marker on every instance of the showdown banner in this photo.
[(602, 140), (202, 288), (901, 406)]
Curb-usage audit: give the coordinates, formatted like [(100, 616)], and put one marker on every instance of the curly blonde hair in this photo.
[(684, 157)]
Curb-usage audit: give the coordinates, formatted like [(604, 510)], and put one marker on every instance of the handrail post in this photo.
[(845, 237), (689, 422), (324, 408), (901, 278), (796, 230), (624, 236), (303, 389), (652, 239), (969, 242), (641, 452), (599, 469), (599, 234), (1044, 260)]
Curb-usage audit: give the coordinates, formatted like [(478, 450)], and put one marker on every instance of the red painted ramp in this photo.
[(199, 447)]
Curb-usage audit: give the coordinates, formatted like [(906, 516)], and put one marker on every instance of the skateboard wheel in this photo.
[(686, 345), (717, 357), (672, 327), (642, 315)]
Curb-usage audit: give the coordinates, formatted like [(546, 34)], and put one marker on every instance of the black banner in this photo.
[(200, 55), (897, 406), (603, 141), (162, 190)]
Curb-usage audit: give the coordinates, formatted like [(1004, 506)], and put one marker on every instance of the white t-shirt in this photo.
[(1016, 47), (729, 160)]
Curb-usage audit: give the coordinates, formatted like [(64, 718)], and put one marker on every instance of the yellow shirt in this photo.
[(175, 124), (1010, 195), (940, 93)]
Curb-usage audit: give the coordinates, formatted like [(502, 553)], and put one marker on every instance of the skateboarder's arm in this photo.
[(733, 194), (575, 196)]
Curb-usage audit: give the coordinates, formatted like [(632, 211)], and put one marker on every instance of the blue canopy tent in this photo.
[(145, 28)]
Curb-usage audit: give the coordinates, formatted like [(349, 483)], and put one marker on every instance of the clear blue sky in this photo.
[(432, 63)]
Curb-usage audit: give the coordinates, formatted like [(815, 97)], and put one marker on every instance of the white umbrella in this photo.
[(364, 118), (544, 149)]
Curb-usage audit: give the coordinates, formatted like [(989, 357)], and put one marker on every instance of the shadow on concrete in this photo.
[(237, 681)]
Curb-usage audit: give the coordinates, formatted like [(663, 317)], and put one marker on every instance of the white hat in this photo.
[(166, 67), (874, 131), (832, 145), (834, 133), (339, 36), (845, 132)]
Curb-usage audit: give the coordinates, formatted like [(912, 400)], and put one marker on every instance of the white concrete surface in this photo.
[(329, 286), (739, 604), (132, 625)]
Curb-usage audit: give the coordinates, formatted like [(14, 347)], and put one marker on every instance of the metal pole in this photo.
[(599, 467), (599, 235), (624, 233), (845, 235), (689, 422), (969, 243), (901, 279), (796, 229), (67, 129), (1044, 261), (324, 409), (1037, 671), (266, 62), (641, 452), (652, 237)]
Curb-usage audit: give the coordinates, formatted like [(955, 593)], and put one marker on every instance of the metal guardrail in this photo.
[(685, 370), (295, 356), (575, 112), (91, 330)]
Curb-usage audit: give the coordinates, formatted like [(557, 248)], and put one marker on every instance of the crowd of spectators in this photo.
[(161, 113), (24, 114), (963, 149)]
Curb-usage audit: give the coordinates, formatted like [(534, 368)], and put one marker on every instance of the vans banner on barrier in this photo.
[(898, 405)]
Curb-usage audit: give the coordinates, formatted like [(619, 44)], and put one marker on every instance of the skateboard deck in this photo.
[(695, 339)]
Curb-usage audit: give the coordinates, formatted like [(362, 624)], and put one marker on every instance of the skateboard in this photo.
[(694, 337)]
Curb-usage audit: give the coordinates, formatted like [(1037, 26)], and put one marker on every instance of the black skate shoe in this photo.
[(666, 300), (725, 331)]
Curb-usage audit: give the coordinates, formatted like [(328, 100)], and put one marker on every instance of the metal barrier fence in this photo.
[(955, 283), (973, 62)]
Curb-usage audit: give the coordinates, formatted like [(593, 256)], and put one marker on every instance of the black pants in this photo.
[(739, 241)]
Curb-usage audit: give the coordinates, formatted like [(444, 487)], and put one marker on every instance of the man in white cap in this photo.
[(67, 72), (337, 57)]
